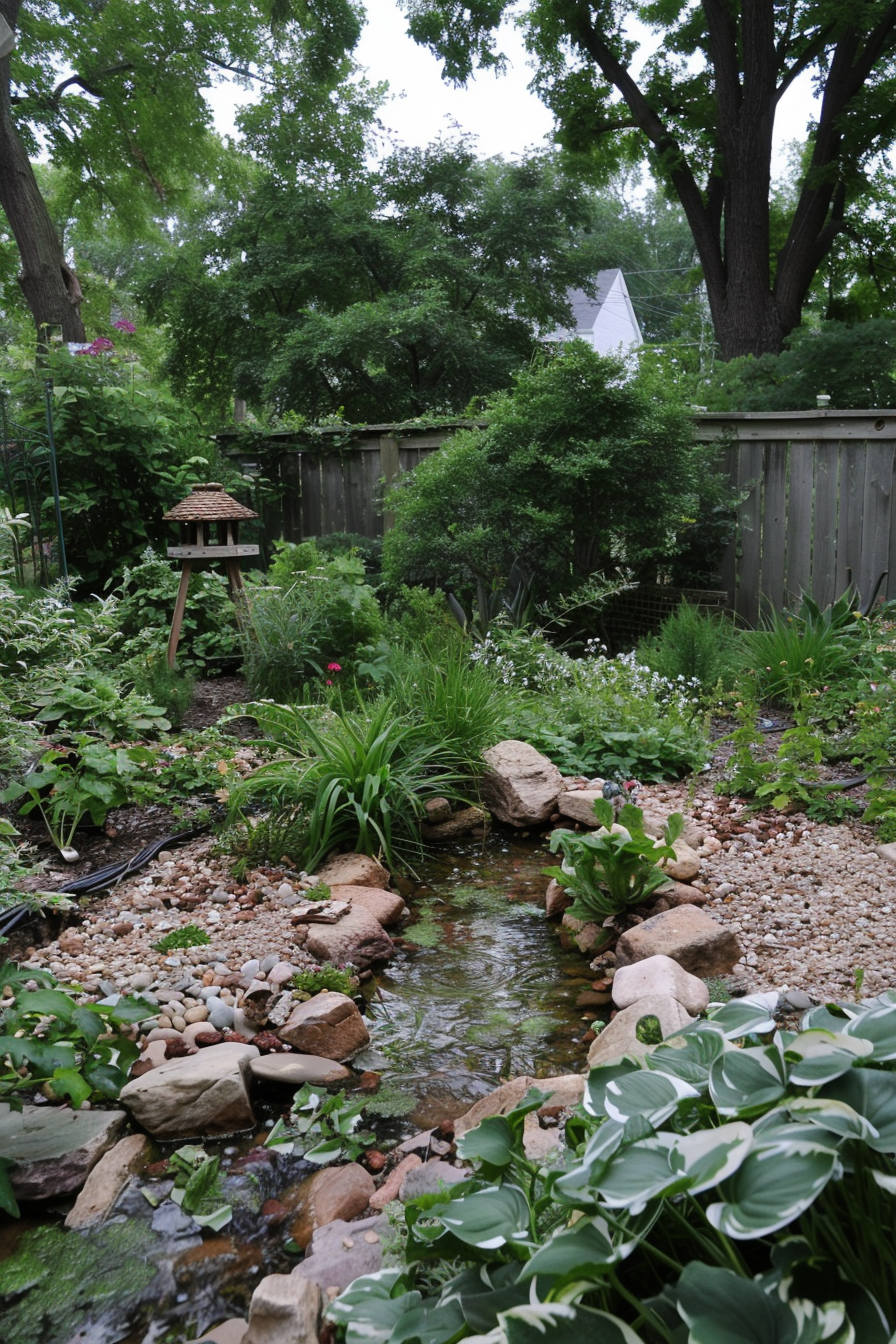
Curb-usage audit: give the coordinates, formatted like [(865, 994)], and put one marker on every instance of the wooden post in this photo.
[(179, 606), (390, 467)]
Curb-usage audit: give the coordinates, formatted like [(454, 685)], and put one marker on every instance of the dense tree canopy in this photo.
[(379, 293), (703, 107)]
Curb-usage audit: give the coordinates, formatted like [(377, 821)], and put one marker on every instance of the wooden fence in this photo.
[(818, 512)]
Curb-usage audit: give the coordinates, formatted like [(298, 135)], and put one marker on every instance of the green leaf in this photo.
[(584, 1251), (558, 1323), (46, 1002), (818, 1056), (878, 1027), (41, 1057), (653, 1096), (745, 1083), (70, 1083), (779, 1179), (688, 1055), (368, 1309), (486, 1218), (7, 1195), (491, 1143), (742, 1017), (719, 1307), (872, 1095)]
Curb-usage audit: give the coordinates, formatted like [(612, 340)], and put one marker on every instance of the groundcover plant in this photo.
[(735, 1186)]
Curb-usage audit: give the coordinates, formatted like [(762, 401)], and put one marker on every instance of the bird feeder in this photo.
[(209, 521)]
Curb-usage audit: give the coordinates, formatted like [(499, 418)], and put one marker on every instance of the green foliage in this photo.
[(790, 656), (695, 646), (280, 836), (321, 1129), (148, 592), (607, 871), (170, 687), (47, 1037), (735, 1184), (458, 706), (854, 365), (312, 979), (50, 632), (583, 468), (89, 701), (309, 626), (198, 1187), (362, 779), (188, 935)]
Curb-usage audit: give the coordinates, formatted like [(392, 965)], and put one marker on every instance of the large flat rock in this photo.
[(385, 906), (578, 805), (106, 1181), (55, 1148), (357, 938), (520, 786), (199, 1094), (294, 1070), (687, 935), (341, 1252), (659, 975), (352, 870), (329, 1024)]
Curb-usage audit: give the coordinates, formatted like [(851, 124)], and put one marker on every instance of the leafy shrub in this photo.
[(188, 935), (148, 592), (735, 1183), (695, 646), (94, 702), (792, 655), (312, 979), (310, 624), (280, 836), (459, 707), (49, 631), (170, 687)]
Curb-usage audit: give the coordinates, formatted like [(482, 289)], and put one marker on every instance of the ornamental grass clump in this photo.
[(609, 871)]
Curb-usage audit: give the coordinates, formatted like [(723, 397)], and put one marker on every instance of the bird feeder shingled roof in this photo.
[(208, 503)]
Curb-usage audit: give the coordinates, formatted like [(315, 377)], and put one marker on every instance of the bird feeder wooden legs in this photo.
[(178, 618)]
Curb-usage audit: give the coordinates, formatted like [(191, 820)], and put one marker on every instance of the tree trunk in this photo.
[(51, 289)]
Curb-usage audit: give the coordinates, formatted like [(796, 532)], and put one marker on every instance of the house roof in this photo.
[(208, 503), (597, 316)]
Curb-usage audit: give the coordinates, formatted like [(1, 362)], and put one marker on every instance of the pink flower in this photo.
[(329, 682), (333, 667), (124, 325)]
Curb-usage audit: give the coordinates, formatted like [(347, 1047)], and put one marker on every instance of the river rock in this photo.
[(199, 1094), (521, 786), (341, 1252), (329, 1024), (335, 1192), (295, 1070), (557, 900), (431, 1177), (353, 870), (358, 938), (106, 1181), (659, 975), (53, 1147), (687, 935), (578, 805), (385, 906), (620, 1036), (567, 1089), (393, 1182), (463, 821), (588, 936), (284, 1310), (680, 893), (685, 865)]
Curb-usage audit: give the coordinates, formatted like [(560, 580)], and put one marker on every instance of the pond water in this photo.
[(480, 991)]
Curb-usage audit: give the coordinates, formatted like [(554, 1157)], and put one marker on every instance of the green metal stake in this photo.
[(54, 479)]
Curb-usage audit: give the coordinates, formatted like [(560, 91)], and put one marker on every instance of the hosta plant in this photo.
[(735, 1186), (607, 870)]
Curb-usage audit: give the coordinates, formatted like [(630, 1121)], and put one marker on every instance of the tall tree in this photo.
[(115, 91), (703, 107)]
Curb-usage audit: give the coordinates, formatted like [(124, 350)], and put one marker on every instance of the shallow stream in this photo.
[(481, 991)]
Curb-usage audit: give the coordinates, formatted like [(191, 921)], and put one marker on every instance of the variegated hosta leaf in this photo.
[(783, 1174), (720, 1307), (486, 1218), (599, 1080), (580, 1185), (747, 1082), (585, 1250), (369, 1311), (835, 1116), (750, 1016), (831, 1017), (873, 1095), (559, 1323), (653, 1096), (878, 1026), (710, 1156), (819, 1056), (689, 1055)]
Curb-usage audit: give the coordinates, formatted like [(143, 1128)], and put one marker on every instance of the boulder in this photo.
[(431, 1177), (358, 938), (284, 1310), (567, 1089), (521, 786), (294, 1070), (685, 865), (659, 975), (55, 1148), (352, 870), (679, 893), (654, 821), (620, 1036), (341, 1252), (556, 900), (687, 935), (540, 1144), (106, 1181), (578, 805), (205, 1093), (385, 906), (329, 1024), (463, 821), (335, 1192)]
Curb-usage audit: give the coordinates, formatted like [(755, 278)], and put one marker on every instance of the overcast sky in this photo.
[(498, 109)]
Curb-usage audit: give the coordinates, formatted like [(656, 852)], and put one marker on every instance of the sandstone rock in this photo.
[(106, 1181), (431, 1177), (687, 935), (294, 1070), (353, 870), (392, 1184), (284, 1310), (685, 865), (654, 821), (538, 1143), (588, 937), (885, 852), (437, 810), (335, 1192), (659, 975), (463, 821), (620, 1037), (679, 893), (53, 1147), (565, 1090), (329, 1024), (341, 1252), (578, 804), (385, 906), (358, 938), (556, 900), (201, 1094), (521, 786)]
